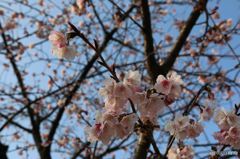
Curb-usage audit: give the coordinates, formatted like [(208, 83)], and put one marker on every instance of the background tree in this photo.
[(50, 97)]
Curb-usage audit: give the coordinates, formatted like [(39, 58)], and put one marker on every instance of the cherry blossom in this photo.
[(183, 127), (60, 47), (208, 110), (100, 131), (178, 127), (194, 129), (56, 101), (132, 78), (226, 119), (150, 107), (126, 125), (229, 137), (58, 39), (107, 90), (110, 125), (229, 123), (170, 86), (121, 90), (184, 153), (163, 85), (65, 52)]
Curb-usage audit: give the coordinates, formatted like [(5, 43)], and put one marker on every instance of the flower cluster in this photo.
[(229, 123), (116, 121), (184, 153), (60, 47), (109, 125), (183, 127)]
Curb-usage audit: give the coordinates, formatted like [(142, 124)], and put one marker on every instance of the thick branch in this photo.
[(172, 56), (35, 125), (144, 141), (3, 151), (152, 65)]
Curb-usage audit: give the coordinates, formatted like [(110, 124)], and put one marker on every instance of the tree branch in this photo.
[(84, 73), (152, 65), (154, 69), (3, 151), (34, 123), (173, 54)]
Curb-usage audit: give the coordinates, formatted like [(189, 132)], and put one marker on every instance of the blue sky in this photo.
[(227, 9)]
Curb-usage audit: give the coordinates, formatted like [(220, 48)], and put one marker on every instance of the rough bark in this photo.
[(152, 65), (144, 141)]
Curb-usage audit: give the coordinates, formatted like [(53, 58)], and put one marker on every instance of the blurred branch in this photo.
[(75, 156), (34, 123), (3, 151), (9, 120)]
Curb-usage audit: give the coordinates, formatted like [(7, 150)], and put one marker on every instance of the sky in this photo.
[(228, 9)]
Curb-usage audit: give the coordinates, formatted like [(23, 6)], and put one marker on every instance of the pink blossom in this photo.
[(175, 90), (149, 107), (184, 153), (187, 152), (182, 127), (111, 124), (64, 52), (126, 125), (60, 48), (207, 113), (229, 22), (169, 100), (107, 90), (121, 90), (58, 39), (226, 119), (208, 110), (229, 124), (115, 104), (132, 78), (178, 127), (220, 136), (163, 85), (173, 153), (234, 132), (113, 89), (101, 132), (194, 129), (170, 86)]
